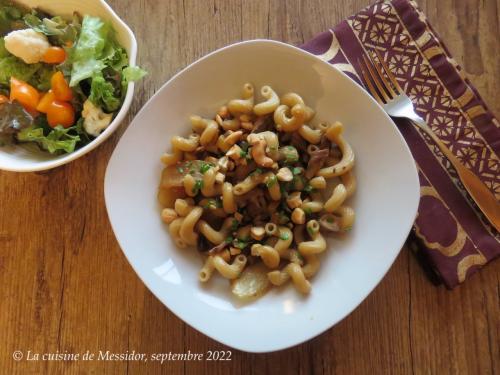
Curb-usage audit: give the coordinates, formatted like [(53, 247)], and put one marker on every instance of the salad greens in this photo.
[(10, 17), (59, 31), (95, 68), (13, 118)]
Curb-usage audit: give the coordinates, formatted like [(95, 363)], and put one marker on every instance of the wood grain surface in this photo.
[(65, 285)]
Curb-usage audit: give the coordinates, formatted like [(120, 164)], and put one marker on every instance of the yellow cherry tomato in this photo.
[(60, 113), (60, 87), (24, 93)]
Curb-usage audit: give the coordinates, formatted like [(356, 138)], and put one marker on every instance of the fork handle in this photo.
[(483, 197)]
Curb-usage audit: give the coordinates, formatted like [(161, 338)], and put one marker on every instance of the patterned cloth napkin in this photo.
[(450, 232)]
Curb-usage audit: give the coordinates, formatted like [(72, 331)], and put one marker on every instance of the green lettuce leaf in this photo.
[(102, 94), (41, 78), (98, 65), (56, 28), (133, 73), (118, 58), (3, 50), (11, 66), (37, 75), (57, 140), (10, 17), (89, 53)]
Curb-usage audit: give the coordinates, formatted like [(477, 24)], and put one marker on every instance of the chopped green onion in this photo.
[(244, 146), (204, 167), (234, 225), (213, 204), (310, 230), (240, 244), (308, 211), (284, 236), (256, 172), (308, 189), (229, 239), (197, 186), (291, 154), (296, 170), (271, 181)]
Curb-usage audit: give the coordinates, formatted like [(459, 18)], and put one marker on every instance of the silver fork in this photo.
[(384, 87)]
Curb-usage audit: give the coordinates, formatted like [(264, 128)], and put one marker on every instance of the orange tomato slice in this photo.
[(24, 93), (60, 113), (45, 102), (54, 55), (60, 87)]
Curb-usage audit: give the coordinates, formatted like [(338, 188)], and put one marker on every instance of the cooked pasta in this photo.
[(258, 183)]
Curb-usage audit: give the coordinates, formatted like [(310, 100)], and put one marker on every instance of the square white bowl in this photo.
[(24, 158), (385, 202)]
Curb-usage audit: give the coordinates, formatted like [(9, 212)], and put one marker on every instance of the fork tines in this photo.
[(378, 78)]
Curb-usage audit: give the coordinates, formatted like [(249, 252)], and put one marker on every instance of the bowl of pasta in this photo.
[(261, 189)]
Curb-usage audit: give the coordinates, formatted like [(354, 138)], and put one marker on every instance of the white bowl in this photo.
[(28, 159), (385, 202)]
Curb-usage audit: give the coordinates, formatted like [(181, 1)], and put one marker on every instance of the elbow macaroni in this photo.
[(240, 171), (269, 106), (244, 105)]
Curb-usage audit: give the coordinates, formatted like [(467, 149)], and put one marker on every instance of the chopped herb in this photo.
[(204, 167), (243, 154), (284, 236), (308, 189), (291, 154), (180, 170), (234, 225), (307, 211), (240, 243), (310, 231), (244, 146), (256, 172), (197, 186), (271, 181), (296, 170), (229, 239), (212, 204)]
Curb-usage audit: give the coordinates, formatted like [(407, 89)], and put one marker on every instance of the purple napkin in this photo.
[(450, 232)]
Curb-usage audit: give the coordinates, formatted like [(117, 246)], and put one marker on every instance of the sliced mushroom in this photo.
[(318, 158)]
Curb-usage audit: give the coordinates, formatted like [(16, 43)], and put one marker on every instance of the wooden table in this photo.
[(66, 286)]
